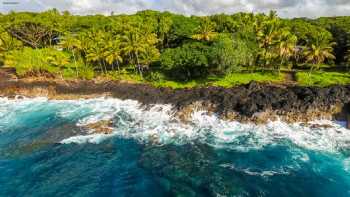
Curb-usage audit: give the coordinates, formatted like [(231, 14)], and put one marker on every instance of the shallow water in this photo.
[(45, 150)]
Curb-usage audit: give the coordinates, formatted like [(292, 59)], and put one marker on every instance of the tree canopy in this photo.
[(181, 47)]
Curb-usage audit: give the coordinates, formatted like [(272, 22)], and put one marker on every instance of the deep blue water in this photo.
[(208, 158)]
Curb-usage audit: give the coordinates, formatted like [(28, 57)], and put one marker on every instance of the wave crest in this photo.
[(157, 124)]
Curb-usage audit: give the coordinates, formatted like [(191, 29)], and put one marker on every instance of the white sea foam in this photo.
[(252, 172), (157, 124), (93, 139), (11, 108)]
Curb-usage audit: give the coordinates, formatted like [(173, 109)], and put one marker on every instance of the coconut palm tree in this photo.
[(163, 28), (135, 45), (318, 51), (347, 55), (287, 46), (95, 49), (94, 54), (205, 31), (113, 53), (267, 36), (73, 45)]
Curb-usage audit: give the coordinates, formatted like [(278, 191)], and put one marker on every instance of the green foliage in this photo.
[(178, 84), (7, 43), (86, 72), (160, 45), (305, 30), (124, 75), (205, 31), (340, 28), (37, 61), (322, 78), (287, 47), (47, 62), (318, 51), (276, 43), (34, 35), (141, 48), (229, 55), (225, 23), (234, 79), (155, 77), (182, 29), (186, 62), (227, 81)]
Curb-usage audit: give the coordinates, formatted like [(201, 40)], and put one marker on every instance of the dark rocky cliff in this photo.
[(252, 102)]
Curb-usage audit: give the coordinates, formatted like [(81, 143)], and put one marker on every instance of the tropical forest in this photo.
[(171, 50)]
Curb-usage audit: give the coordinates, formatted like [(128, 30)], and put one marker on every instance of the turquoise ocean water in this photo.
[(47, 150)]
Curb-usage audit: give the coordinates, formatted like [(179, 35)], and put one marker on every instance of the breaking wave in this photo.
[(157, 124), (146, 149)]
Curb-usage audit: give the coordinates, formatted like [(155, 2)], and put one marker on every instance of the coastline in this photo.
[(254, 102)]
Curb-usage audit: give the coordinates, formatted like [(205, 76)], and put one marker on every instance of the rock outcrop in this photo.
[(101, 127), (253, 102)]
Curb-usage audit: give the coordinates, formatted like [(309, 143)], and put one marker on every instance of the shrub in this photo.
[(155, 77), (30, 61), (47, 61), (86, 72), (186, 62), (229, 55)]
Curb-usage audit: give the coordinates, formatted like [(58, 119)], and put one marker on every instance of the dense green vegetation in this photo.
[(172, 50), (323, 78)]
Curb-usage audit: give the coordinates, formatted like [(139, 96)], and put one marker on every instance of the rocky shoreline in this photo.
[(253, 102)]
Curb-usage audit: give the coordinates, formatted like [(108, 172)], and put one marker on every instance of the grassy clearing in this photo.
[(244, 78), (226, 81), (322, 79)]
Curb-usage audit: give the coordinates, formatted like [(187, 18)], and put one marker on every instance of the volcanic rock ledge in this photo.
[(253, 102)]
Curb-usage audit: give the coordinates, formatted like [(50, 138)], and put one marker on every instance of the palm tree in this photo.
[(73, 45), (287, 46), (3, 48), (96, 49), (133, 46), (163, 28), (112, 53), (318, 51), (7, 42), (205, 31), (347, 55), (267, 37), (94, 54), (272, 15), (136, 45)]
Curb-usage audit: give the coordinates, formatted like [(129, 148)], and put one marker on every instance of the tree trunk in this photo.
[(118, 66), (138, 65), (101, 66), (113, 66), (75, 64), (279, 69), (104, 66)]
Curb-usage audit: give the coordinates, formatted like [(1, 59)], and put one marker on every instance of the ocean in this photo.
[(47, 149)]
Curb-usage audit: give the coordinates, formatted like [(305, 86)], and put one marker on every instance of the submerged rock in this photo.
[(101, 127), (174, 166), (317, 126)]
